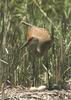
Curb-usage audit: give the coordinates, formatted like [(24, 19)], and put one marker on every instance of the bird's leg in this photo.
[(47, 68), (33, 71)]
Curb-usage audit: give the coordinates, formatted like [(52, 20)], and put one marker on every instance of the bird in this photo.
[(39, 37), (39, 41)]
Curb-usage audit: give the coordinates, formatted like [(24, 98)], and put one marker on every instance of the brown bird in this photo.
[(39, 37), (38, 40)]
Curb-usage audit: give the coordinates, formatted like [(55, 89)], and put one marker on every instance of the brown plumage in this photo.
[(38, 37), (38, 42), (41, 34)]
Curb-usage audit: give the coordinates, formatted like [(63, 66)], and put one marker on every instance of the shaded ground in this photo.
[(22, 93)]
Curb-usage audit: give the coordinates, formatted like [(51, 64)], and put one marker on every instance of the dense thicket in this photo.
[(14, 63)]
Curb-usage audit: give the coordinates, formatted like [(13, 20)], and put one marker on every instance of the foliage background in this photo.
[(14, 63)]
